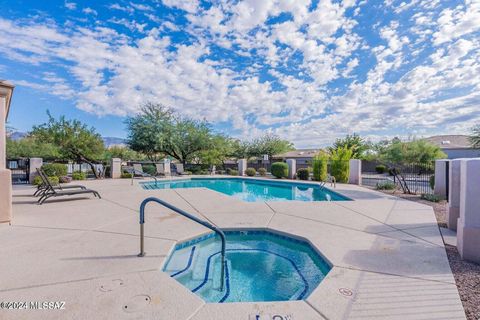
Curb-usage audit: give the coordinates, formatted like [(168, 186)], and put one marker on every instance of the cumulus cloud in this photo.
[(307, 73)]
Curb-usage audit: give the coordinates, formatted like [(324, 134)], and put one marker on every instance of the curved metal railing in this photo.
[(132, 171), (187, 215)]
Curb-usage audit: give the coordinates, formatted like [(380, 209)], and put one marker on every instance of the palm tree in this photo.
[(475, 137)]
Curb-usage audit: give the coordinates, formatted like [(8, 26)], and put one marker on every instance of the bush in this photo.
[(55, 169), (303, 174), (380, 168), (279, 169), (65, 179), (432, 182), (234, 172), (149, 169), (78, 175), (320, 162), (38, 181), (262, 172), (126, 175), (250, 172), (385, 186), (430, 197), (340, 165)]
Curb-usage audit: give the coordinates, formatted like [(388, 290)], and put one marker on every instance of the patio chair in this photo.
[(52, 192), (43, 187), (138, 169), (179, 169)]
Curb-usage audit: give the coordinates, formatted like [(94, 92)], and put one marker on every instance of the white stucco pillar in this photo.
[(355, 175), (6, 91), (468, 226), (116, 168), (166, 167), (34, 164), (292, 168), (242, 166), (453, 208), (441, 178)]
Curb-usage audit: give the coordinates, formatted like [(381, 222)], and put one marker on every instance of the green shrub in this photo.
[(55, 169), (126, 175), (187, 172), (149, 169), (203, 172), (320, 162), (250, 172), (78, 175), (262, 172), (430, 197), (303, 174), (385, 186), (380, 168), (233, 172), (340, 165), (54, 181), (279, 169), (432, 182), (37, 181)]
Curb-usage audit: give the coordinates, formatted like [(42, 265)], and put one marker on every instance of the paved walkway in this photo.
[(388, 257)]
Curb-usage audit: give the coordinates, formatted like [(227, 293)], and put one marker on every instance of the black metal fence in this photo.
[(20, 170), (415, 178)]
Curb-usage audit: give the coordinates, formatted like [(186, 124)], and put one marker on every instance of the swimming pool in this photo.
[(252, 190), (260, 266)]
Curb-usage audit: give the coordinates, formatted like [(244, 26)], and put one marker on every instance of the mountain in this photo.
[(114, 141), (108, 141)]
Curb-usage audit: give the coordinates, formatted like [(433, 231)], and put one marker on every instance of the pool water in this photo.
[(260, 266), (252, 190)]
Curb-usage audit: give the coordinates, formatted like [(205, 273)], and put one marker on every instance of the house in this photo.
[(455, 146), (303, 156)]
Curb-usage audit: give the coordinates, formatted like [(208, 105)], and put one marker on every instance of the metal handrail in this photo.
[(141, 173), (187, 215)]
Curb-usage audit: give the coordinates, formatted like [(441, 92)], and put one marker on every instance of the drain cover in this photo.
[(345, 292), (136, 303)]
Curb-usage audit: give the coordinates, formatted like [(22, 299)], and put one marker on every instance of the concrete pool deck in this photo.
[(387, 254)]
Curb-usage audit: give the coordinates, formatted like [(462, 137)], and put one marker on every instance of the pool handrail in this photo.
[(187, 215), (132, 171)]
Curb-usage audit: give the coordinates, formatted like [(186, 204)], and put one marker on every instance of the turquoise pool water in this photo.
[(260, 266), (252, 190)]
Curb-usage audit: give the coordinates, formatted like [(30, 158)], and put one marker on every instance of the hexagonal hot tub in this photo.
[(260, 266)]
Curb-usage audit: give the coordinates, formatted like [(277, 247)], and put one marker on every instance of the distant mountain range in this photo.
[(108, 141)]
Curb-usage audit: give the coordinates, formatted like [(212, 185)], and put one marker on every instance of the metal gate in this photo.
[(20, 170)]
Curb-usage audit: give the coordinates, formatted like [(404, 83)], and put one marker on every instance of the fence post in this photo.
[(355, 175), (292, 168), (468, 226), (34, 164), (242, 166), (116, 168), (166, 167), (441, 178), (453, 209)]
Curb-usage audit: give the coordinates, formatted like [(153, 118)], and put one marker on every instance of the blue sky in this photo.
[(309, 71)]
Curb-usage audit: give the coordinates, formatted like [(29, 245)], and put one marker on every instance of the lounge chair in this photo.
[(179, 169), (52, 192), (138, 169), (43, 187)]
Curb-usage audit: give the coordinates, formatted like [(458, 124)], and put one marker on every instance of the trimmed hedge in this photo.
[(380, 169), (303, 174), (78, 175), (251, 172), (55, 169), (279, 170), (233, 172), (126, 175), (38, 181), (262, 172)]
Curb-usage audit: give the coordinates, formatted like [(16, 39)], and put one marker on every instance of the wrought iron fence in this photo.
[(415, 178), (20, 170)]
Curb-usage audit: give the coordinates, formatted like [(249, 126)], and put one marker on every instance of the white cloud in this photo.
[(70, 5), (89, 11)]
